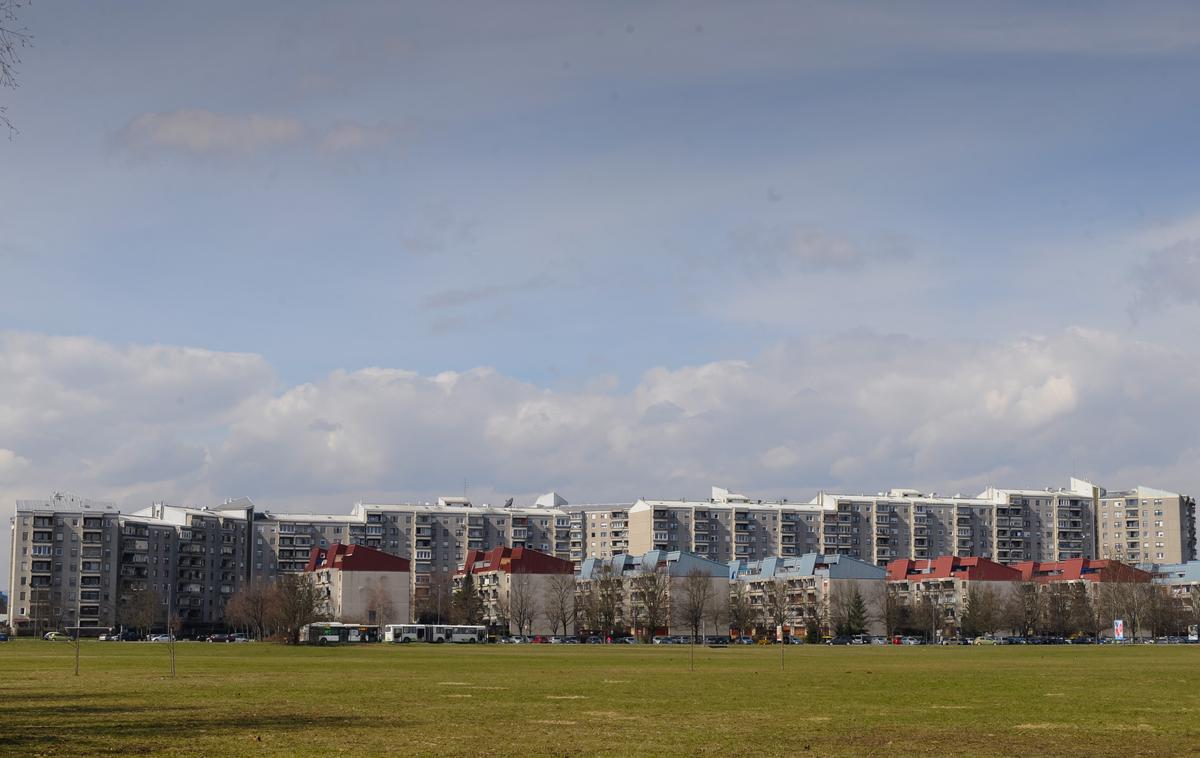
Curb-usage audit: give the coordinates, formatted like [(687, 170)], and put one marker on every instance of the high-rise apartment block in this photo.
[(79, 562)]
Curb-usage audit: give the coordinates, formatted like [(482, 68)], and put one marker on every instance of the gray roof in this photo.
[(809, 564)]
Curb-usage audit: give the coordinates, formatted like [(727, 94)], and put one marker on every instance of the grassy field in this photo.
[(588, 700)]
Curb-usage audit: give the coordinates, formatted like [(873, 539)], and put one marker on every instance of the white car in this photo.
[(160, 638)]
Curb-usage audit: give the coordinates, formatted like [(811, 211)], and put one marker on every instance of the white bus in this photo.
[(333, 633), (405, 633), (434, 633)]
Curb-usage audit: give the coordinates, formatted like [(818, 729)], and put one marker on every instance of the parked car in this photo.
[(219, 637), (238, 638), (160, 638), (744, 641), (911, 641), (594, 640), (3, 636), (984, 641), (130, 636), (841, 639), (627, 641), (55, 636)]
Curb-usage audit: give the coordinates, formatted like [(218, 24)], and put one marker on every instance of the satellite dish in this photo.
[(508, 503)]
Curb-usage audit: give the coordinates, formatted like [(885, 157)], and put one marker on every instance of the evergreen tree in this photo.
[(468, 605)]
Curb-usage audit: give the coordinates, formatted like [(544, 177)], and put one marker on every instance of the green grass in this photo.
[(266, 699)]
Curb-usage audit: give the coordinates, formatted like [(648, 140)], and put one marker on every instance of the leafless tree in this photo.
[(1163, 615), (651, 599), (522, 604), (250, 608), (695, 595), (892, 610), (776, 607), (741, 612), (1129, 601), (13, 38), (295, 602), (141, 609), (983, 612), (1056, 609), (609, 591), (1023, 611), (174, 628), (560, 602), (718, 611)]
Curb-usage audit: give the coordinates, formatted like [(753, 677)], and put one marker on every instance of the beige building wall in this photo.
[(355, 596), (1146, 525)]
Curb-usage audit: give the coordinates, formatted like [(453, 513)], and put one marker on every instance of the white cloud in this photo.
[(198, 131), (11, 465), (860, 411)]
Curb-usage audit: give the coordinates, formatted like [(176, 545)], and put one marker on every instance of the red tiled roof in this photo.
[(951, 567), (515, 560), (1084, 569), (354, 558)]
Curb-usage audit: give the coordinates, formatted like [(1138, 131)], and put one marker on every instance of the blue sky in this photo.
[(593, 212)]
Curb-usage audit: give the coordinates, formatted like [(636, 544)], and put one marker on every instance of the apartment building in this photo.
[(808, 589), (514, 584), (65, 564), (1182, 581), (361, 585), (609, 593), (1146, 525), (944, 584), (598, 530), (726, 527)]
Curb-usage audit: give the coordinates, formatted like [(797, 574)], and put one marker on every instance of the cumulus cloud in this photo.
[(198, 131), (860, 411)]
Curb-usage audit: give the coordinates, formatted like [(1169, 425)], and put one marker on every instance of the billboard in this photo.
[(1119, 630)]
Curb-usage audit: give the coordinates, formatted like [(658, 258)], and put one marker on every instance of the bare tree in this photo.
[(560, 602), (893, 613), (695, 596), (609, 601), (1129, 601), (1162, 616), (141, 609), (1056, 609), (651, 601), (295, 602), (522, 604), (174, 627), (1023, 611), (776, 607), (250, 608), (741, 612), (718, 612), (13, 38)]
